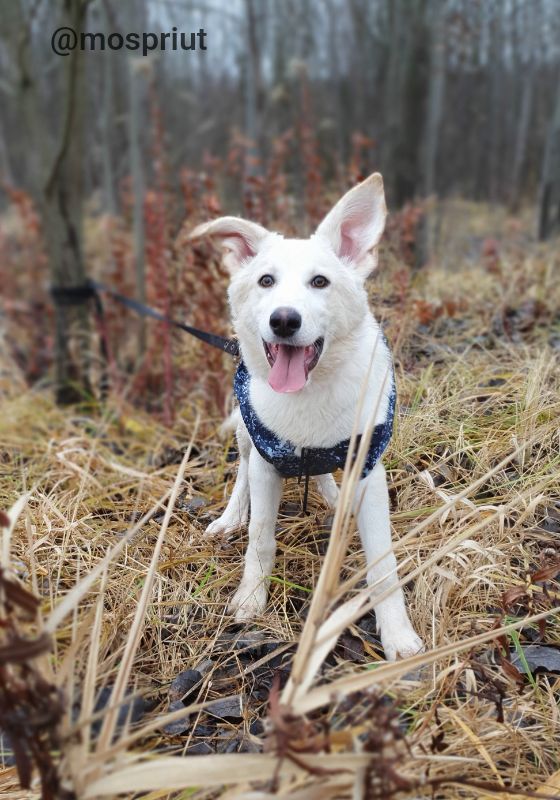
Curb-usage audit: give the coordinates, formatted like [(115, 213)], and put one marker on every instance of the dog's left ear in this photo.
[(240, 238), (354, 226)]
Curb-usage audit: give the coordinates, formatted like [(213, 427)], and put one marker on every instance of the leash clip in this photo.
[(304, 471)]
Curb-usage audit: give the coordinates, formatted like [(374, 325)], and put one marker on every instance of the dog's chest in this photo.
[(319, 421), (292, 460), (315, 418)]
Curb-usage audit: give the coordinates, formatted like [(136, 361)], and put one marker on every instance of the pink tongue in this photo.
[(288, 371)]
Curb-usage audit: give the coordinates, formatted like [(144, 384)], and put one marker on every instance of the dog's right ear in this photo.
[(240, 238)]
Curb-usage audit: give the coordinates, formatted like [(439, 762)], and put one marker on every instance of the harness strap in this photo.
[(304, 471)]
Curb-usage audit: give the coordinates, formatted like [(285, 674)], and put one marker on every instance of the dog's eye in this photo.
[(319, 282), (266, 281)]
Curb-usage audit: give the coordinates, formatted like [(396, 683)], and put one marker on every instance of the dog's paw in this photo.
[(223, 526), (401, 642), (248, 602)]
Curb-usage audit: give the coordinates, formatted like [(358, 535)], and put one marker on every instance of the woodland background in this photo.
[(104, 156)]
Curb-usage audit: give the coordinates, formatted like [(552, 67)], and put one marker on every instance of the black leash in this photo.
[(76, 295)]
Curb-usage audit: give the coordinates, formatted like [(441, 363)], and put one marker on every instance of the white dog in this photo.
[(306, 335)]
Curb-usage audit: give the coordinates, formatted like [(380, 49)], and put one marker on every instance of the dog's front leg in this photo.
[(265, 487), (237, 509), (372, 512)]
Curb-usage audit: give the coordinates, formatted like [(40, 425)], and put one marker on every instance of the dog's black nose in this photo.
[(285, 321)]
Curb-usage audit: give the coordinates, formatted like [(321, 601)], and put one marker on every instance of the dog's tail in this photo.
[(229, 425)]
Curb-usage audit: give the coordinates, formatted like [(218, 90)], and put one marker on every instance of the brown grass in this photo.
[(475, 481)]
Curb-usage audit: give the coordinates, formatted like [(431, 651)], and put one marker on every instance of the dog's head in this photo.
[(292, 298)]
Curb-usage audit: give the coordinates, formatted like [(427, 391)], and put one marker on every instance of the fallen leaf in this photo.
[(538, 656)]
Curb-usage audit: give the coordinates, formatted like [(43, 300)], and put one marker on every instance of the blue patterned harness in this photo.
[(313, 460)]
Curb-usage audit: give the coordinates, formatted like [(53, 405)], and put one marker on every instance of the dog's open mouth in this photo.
[(290, 366)]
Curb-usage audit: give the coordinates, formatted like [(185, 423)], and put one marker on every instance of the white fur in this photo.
[(323, 412)]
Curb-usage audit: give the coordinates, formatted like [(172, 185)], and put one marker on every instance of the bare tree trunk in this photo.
[(107, 118), (393, 94), (36, 144), (62, 221), (435, 100), (521, 138), (405, 96), (254, 89), (496, 104), (56, 177), (5, 168), (528, 20), (549, 200), (426, 232), (339, 119)]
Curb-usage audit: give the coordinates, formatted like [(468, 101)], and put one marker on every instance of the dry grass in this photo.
[(475, 476)]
